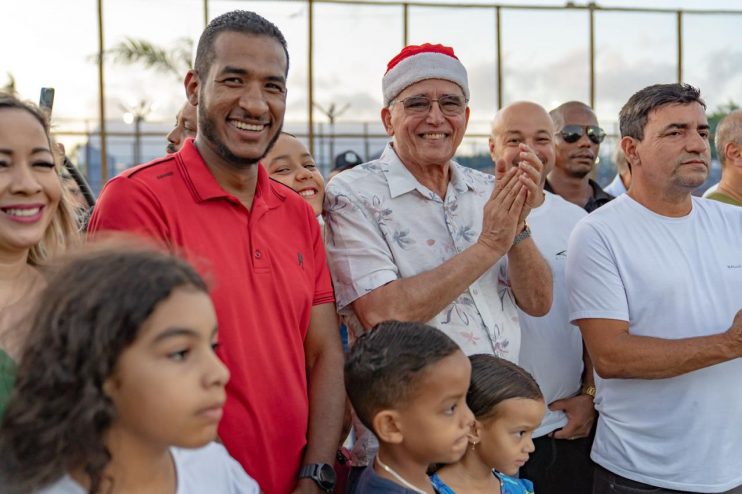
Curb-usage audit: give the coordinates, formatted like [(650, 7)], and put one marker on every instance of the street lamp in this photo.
[(136, 114)]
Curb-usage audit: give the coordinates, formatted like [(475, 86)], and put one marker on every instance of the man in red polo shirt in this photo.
[(259, 244)]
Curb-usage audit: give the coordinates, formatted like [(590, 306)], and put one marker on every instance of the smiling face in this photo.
[(186, 124), (518, 123), (674, 155), (576, 159), (430, 138), (168, 385), (505, 441), (290, 163), (241, 100), (436, 423), (30, 188)]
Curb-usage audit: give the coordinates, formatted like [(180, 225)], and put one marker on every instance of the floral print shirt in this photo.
[(382, 225)]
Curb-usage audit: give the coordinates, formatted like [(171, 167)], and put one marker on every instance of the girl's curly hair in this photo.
[(91, 310)]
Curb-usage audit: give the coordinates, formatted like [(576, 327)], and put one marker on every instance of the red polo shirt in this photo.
[(266, 268)]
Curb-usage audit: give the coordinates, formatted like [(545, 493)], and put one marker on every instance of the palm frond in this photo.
[(138, 51)]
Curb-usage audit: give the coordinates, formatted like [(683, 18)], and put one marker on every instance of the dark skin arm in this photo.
[(324, 361)]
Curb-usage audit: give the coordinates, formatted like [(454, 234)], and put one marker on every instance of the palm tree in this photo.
[(175, 61)]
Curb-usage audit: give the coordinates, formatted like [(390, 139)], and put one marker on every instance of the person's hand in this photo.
[(503, 210), (735, 332), (580, 416), (531, 169)]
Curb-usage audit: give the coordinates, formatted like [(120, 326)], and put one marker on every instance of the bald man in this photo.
[(729, 148), (551, 348), (186, 125), (577, 138)]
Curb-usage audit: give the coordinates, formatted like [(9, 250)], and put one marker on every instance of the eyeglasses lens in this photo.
[(449, 105)]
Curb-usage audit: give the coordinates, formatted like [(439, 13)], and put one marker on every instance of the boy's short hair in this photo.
[(384, 367)]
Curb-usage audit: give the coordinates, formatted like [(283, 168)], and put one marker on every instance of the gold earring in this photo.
[(473, 445)]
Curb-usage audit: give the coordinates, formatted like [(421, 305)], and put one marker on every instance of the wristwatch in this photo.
[(524, 234), (322, 473)]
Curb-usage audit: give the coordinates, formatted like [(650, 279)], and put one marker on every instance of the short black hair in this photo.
[(384, 367), (634, 114), (557, 114), (239, 21)]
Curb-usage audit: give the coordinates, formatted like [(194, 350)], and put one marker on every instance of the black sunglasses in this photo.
[(573, 133)]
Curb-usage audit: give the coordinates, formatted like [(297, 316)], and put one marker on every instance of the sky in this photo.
[(545, 54)]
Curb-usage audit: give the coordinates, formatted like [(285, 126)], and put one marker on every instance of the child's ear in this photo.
[(387, 426), (475, 433), (110, 385)]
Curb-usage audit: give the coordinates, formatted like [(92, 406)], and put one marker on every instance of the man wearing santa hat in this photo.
[(414, 236)]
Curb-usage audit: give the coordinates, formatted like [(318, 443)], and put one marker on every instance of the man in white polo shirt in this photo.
[(551, 347), (655, 285)]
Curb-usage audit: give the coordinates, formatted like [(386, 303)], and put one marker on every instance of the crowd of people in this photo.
[(228, 316)]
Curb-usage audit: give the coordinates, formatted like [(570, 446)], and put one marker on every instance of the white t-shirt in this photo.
[(208, 469), (669, 278), (551, 347)]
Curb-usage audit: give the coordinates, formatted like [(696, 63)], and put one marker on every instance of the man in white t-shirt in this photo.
[(551, 347), (655, 284)]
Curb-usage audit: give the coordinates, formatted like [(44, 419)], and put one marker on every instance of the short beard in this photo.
[(578, 173), (208, 129), (688, 182)]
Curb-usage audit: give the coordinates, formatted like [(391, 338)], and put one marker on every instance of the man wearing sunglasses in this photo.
[(577, 141), (414, 236), (654, 281)]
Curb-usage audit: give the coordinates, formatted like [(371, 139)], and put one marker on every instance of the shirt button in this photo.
[(258, 254)]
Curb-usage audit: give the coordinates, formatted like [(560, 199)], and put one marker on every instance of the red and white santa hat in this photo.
[(417, 63)]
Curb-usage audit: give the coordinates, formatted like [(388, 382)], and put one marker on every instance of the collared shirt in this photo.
[(383, 225), (266, 270), (597, 199)]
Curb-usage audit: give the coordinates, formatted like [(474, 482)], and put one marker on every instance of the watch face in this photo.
[(327, 475)]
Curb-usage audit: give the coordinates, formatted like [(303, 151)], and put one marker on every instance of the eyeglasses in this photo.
[(449, 104), (573, 133)]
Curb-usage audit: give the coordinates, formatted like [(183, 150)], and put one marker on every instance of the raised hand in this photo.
[(503, 210)]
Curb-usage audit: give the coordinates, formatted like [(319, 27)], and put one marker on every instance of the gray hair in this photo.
[(728, 130)]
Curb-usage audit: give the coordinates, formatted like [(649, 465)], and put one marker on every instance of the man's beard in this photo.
[(208, 129), (578, 173)]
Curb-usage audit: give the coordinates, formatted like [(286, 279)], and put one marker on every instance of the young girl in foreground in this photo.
[(118, 374), (508, 406)]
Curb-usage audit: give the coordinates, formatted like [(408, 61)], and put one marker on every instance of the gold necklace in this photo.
[(397, 476)]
